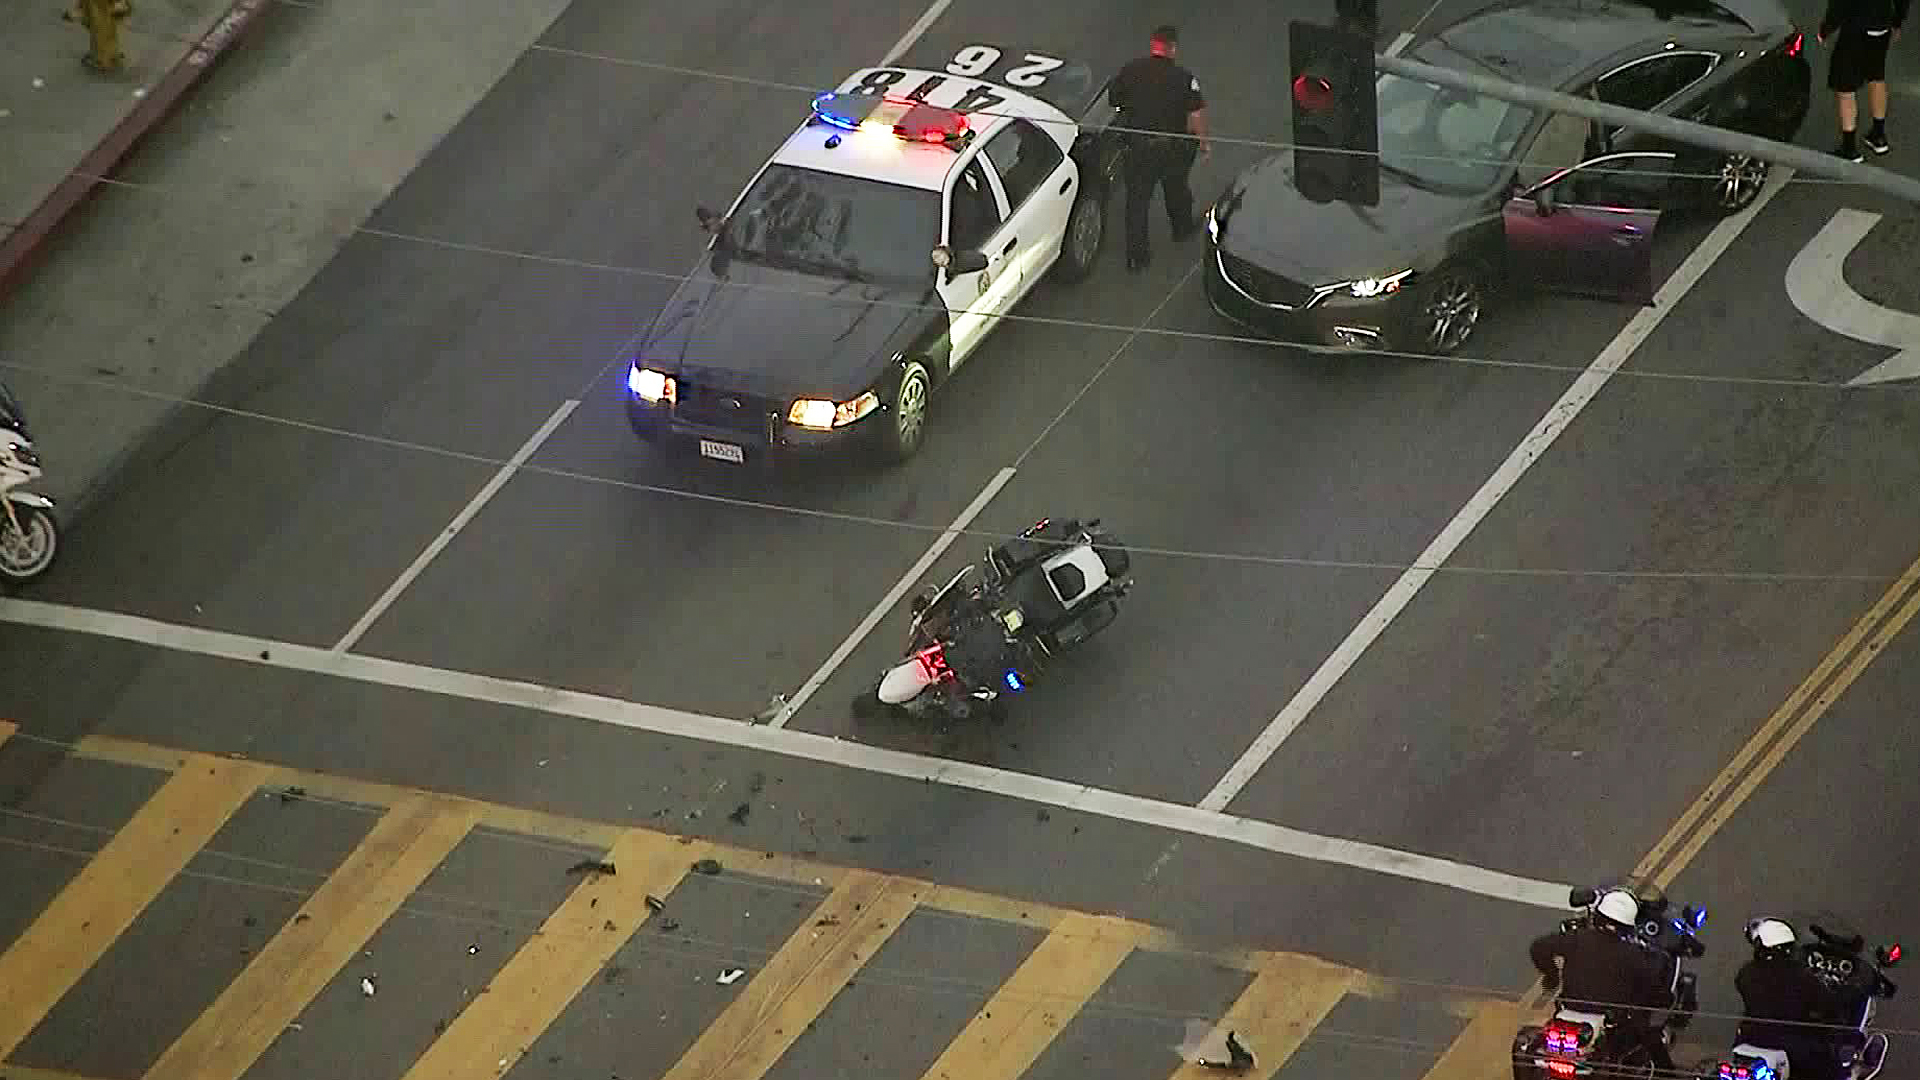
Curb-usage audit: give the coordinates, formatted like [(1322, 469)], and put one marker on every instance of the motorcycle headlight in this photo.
[(1368, 288), (823, 415), (652, 386), (1213, 225)]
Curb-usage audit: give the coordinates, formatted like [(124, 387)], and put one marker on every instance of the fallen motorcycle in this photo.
[(997, 625)]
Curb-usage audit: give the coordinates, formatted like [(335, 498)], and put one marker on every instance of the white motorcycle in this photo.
[(29, 535), (1840, 960)]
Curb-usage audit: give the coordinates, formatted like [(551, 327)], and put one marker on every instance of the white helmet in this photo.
[(1769, 934), (1619, 906)]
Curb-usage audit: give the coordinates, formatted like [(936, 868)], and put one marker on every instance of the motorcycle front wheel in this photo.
[(26, 552)]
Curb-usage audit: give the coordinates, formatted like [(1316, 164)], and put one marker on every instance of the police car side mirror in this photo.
[(956, 263), (709, 220)]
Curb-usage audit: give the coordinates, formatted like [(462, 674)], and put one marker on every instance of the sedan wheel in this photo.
[(1454, 302), (1739, 183), (1086, 229), (909, 417)]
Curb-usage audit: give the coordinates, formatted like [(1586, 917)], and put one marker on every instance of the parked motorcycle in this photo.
[(29, 535), (999, 624), (1838, 957), (1576, 1042)]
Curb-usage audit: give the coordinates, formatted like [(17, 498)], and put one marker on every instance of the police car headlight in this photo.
[(1367, 288), (825, 415), (651, 386)]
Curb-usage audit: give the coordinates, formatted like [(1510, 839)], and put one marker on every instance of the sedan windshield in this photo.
[(826, 223), (1444, 138)]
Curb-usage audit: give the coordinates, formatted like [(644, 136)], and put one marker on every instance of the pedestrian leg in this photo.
[(1140, 177), (1177, 180)]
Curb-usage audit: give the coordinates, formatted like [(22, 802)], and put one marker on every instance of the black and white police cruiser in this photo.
[(870, 256)]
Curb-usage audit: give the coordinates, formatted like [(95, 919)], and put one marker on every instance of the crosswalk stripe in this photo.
[(115, 886), (21, 1072), (1485, 1048), (1023, 1018), (1277, 1011), (795, 987), (568, 950), (407, 844)]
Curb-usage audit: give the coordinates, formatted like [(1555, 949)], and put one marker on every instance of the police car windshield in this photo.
[(1444, 138), (825, 223)]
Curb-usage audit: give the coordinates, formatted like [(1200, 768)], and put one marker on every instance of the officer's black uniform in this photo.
[(1154, 94), (1606, 973), (1781, 988)]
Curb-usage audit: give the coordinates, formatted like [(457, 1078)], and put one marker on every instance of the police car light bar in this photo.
[(902, 118)]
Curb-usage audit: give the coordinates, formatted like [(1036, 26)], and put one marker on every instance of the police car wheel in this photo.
[(907, 419), (1086, 230)]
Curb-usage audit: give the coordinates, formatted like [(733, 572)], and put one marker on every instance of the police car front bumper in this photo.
[(1333, 321), (761, 436)]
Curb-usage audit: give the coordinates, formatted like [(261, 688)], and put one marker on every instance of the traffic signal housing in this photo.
[(1336, 126)]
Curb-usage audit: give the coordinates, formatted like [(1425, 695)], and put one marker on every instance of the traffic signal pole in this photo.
[(1727, 142)]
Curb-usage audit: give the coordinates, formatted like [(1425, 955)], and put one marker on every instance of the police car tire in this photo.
[(1077, 260), (914, 391)]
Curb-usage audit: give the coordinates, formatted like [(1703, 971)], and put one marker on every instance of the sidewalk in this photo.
[(319, 111), (62, 124)]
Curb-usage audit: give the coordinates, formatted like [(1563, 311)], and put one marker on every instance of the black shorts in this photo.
[(1858, 58)]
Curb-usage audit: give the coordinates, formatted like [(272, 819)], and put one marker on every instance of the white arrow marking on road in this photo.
[(1817, 284)]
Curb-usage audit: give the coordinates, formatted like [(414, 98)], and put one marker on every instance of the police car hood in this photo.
[(1266, 220), (757, 329)]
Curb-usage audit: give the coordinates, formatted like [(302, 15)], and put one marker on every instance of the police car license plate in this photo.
[(720, 451)]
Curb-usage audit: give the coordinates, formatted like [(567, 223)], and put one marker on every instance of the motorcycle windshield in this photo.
[(11, 415)]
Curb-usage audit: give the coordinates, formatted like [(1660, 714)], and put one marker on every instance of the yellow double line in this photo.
[(1777, 737)]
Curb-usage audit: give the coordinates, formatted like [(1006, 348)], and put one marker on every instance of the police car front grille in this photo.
[(724, 409), (1264, 285)]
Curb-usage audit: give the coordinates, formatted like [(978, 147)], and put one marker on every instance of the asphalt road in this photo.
[(1551, 721)]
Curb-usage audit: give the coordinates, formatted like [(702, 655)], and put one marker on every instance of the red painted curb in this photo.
[(22, 248)]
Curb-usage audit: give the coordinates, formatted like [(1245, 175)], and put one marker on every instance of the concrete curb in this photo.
[(22, 248)]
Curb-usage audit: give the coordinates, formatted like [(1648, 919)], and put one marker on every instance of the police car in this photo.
[(870, 256)]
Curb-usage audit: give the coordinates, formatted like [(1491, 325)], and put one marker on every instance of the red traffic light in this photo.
[(1312, 93)]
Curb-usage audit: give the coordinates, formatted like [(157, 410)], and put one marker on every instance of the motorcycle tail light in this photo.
[(933, 661), (1560, 1068), (1563, 1037)]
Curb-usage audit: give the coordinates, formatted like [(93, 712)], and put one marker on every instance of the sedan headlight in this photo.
[(652, 386), (824, 415), (1367, 288)]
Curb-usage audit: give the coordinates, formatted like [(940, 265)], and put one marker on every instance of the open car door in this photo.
[(1589, 229)]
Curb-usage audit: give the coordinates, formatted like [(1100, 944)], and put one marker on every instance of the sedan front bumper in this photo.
[(1277, 309)]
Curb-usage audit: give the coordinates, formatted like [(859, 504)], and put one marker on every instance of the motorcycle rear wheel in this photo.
[(27, 552)]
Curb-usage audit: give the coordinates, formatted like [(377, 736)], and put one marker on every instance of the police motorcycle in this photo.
[(29, 535), (1000, 623), (1576, 1042), (1839, 959)]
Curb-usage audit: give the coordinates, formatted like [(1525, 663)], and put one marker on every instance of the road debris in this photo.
[(293, 794), (730, 976), (709, 867), (654, 903), (366, 987), (739, 815), (592, 866)]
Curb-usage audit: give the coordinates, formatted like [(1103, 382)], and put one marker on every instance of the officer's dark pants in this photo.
[(1158, 163)]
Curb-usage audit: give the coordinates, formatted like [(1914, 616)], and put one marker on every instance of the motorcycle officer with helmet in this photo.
[(1603, 968), (1787, 1007)]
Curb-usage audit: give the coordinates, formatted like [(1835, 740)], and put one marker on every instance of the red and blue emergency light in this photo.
[(901, 118)]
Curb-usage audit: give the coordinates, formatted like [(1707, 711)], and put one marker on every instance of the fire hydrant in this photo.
[(102, 18)]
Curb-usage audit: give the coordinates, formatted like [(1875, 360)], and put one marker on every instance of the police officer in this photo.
[(1605, 972), (1166, 116)]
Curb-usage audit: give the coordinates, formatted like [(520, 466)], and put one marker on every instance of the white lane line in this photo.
[(460, 521), (1557, 419), (264, 652), (894, 595), (920, 26), (1401, 42)]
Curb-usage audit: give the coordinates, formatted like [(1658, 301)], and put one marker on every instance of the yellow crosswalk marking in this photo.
[(7, 730), (116, 885), (1485, 1048), (21, 1072), (1277, 1011), (798, 983), (1028, 1012), (397, 855), (569, 949)]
